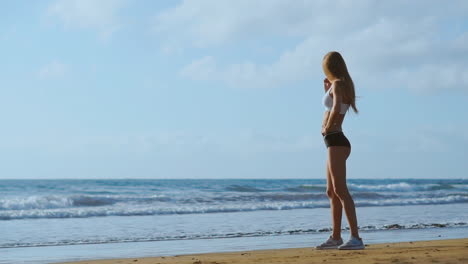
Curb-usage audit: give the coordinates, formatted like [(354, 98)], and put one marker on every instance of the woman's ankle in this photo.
[(336, 237)]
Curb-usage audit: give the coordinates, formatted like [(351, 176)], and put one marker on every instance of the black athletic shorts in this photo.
[(336, 138)]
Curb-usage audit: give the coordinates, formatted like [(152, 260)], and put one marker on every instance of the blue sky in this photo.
[(229, 89)]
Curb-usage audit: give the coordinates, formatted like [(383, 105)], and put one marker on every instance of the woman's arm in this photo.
[(336, 108)]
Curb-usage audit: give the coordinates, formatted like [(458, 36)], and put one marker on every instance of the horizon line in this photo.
[(466, 178)]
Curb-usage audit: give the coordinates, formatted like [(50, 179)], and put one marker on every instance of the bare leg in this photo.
[(337, 156), (335, 205)]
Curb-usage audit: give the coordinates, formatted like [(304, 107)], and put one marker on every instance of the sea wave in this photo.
[(60, 201), (70, 201), (125, 209), (390, 187), (405, 187), (243, 188), (307, 188)]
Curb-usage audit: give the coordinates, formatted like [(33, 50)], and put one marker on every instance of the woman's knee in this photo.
[(342, 193)]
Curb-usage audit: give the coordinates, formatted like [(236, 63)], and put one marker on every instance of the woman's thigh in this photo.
[(330, 188), (337, 156)]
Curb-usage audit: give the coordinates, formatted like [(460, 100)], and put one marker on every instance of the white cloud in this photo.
[(384, 42), (100, 15), (53, 70), (202, 69), (437, 76), (213, 22)]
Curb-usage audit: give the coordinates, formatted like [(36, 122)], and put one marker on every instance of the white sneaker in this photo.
[(353, 243), (330, 244)]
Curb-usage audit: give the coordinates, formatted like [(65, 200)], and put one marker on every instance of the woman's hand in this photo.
[(326, 84), (324, 131)]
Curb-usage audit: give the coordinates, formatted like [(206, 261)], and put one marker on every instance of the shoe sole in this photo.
[(321, 248), (352, 248)]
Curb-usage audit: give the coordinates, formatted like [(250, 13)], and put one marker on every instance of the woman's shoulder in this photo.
[(338, 85)]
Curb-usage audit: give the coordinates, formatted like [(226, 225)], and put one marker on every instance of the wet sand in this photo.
[(433, 251)]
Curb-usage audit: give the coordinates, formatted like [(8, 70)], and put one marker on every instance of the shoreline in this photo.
[(443, 251)]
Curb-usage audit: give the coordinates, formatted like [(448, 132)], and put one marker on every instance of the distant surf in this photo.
[(42, 199)]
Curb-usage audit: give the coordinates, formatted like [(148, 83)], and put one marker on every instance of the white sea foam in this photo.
[(132, 209), (155, 237)]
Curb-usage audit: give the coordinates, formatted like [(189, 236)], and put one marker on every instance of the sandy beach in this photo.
[(434, 251)]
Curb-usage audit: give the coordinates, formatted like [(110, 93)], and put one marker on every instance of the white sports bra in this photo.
[(328, 102)]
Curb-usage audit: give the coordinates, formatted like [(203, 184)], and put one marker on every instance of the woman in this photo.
[(339, 95)]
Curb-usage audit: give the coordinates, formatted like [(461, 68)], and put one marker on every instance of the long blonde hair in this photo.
[(334, 65)]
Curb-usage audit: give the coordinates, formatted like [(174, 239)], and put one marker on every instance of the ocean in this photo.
[(46, 221)]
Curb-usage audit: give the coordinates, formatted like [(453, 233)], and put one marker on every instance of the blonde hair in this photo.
[(334, 65)]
